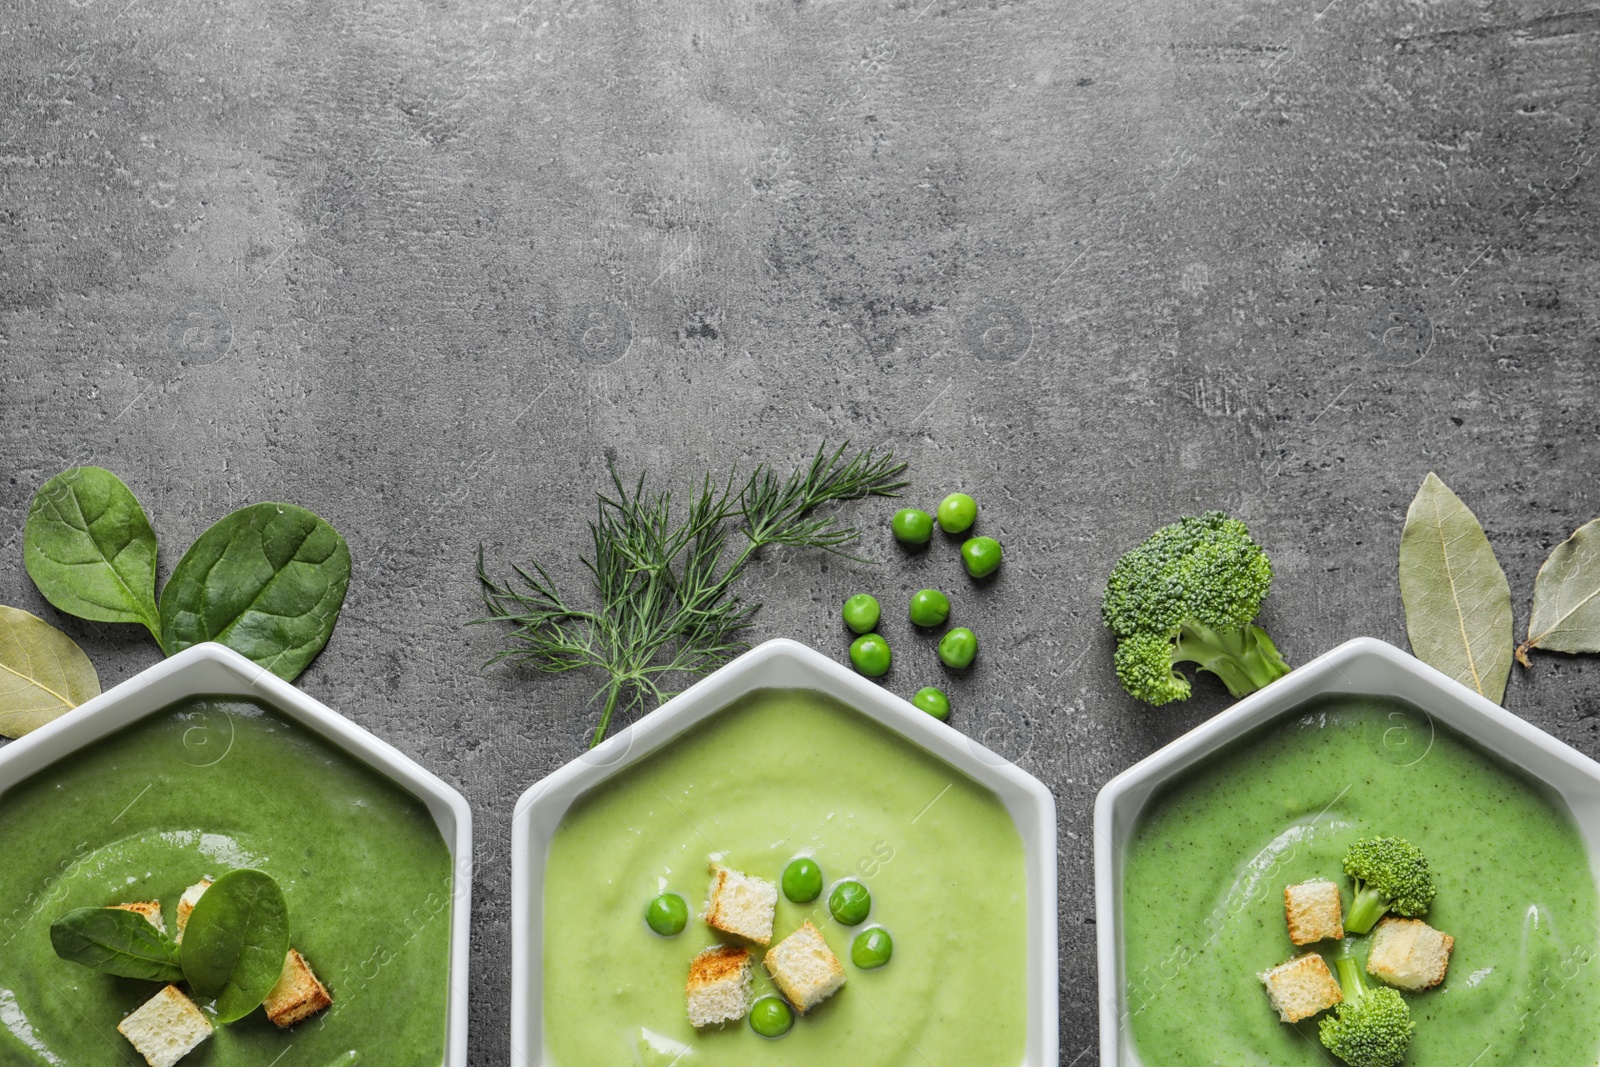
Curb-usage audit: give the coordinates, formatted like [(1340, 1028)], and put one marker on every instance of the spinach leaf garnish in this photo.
[(117, 942), (235, 942)]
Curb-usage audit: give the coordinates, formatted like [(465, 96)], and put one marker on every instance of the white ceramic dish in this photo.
[(784, 665), (213, 669), (1364, 666)]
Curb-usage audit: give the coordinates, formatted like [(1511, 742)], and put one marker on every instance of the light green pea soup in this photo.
[(204, 787), (1203, 884), (781, 773)]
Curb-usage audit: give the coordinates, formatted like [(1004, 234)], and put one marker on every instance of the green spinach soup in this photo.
[(1203, 909), (782, 773), (193, 791)]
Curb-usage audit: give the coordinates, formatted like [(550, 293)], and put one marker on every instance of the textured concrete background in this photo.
[(417, 266)]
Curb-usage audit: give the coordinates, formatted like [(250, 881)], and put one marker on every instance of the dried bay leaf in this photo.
[(1566, 597), (43, 673), (1457, 599)]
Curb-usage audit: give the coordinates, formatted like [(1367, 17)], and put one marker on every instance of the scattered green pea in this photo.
[(957, 513), (933, 701), (850, 902), (861, 613), (871, 948), (870, 654), (912, 526), (802, 880), (957, 648), (929, 607), (772, 1017), (667, 914), (981, 555)]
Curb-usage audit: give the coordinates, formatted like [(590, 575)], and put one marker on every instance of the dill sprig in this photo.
[(664, 586)]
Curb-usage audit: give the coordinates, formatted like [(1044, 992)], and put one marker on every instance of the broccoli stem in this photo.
[(1350, 982), (1366, 909), (1245, 660)]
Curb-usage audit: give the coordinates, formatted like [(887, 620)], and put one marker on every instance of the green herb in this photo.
[(1566, 597), (43, 673), (117, 941), (235, 942), (664, 584), (1457, 599), (267, 581), (89, 548)]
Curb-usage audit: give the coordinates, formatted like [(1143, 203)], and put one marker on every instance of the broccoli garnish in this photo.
[(1390, 875), (1189, 594), (1372, 1028)]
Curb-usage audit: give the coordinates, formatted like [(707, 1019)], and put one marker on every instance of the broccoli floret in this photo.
[(1372, 1028), (1189, 594), (1390, 875)]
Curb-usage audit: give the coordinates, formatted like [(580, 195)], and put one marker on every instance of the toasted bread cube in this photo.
[(719, 986), (1409, 954), (1313, 911), (804, 968), (166, 1028), (741, 905), (150, 909), (186, 903), (298, 994), (1301, 988)]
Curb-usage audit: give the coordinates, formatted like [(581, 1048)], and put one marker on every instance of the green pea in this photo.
[(667, 914), (771, 1016), (871, 948), (957, 648), (929, 607), (870, 654), (933, 701), (957, 513), (861, 613), (802, 880), (912, 526), (850, 902), (981, 555)]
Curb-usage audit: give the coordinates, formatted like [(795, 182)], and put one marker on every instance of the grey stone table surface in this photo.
[(422, 266)]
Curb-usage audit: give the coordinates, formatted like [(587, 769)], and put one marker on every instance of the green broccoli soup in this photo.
[(1203, 893), (781, 774), (192, 792)]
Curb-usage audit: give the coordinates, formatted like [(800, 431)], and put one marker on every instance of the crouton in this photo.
[(1313, 911), (186, 903), (741, 905), (298, 994), (1409, 954), (719, 986), (150, 909), (1301, 988), (166, 1028), (804, 968)]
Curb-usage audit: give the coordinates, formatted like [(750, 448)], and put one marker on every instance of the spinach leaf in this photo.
[(1457, 599), (89, 548), (267, 581), (236, 941), (117, 942), (43, 673)]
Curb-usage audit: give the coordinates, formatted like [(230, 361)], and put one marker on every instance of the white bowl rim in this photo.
[(1328, 674), (197, 671), (1026, 799)]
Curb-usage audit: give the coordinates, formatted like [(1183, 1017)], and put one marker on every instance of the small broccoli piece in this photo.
[(1390, 874), (1189, 594), (1372, 1028)]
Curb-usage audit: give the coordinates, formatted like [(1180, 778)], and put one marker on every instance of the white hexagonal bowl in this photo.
[(1362, 667), (212, 669), (780, 664)]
